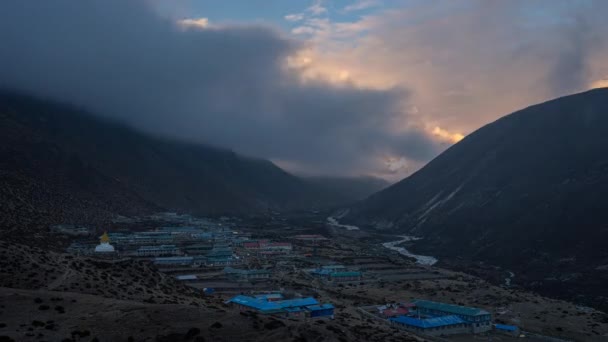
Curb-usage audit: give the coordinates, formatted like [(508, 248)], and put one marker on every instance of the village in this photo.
[(317, 272)]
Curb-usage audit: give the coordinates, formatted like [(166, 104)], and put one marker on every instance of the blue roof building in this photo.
[(435, 318), (434, 326), (308, 306), (507, 329), (178, 260), (323, 310), (465, 312), (246, 275), (270, 297)]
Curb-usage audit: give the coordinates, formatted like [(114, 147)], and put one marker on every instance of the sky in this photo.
[(320, 87)]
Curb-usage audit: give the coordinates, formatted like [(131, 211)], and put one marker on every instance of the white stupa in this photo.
[(104, 245)]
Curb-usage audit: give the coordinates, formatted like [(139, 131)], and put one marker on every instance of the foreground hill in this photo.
[(57, 297), (61, 164), (526, 192)]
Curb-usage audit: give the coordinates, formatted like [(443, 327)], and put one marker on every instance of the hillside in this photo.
[(526, 192), (59, 163), (65, 297)]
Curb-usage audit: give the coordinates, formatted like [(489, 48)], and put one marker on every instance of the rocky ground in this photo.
[(47, 296), (94, 318)]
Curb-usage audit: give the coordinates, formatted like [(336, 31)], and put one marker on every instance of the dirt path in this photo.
[(59, 281)]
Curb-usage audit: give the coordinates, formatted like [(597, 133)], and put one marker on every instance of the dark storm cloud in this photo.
[(221, 85)]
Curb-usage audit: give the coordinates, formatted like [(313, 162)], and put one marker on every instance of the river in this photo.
[(420, 259)]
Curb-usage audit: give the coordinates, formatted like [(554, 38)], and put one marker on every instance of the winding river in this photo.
[(420, 259), (393, 245)]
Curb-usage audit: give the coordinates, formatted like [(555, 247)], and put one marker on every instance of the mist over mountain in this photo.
[(526, 192), (62, 162), (350, 188)]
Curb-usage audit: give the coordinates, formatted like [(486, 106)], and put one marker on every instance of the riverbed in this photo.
[(420, 259), (334, 222)]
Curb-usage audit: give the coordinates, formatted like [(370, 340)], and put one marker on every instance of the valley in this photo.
[(303, 171), (148, 301)]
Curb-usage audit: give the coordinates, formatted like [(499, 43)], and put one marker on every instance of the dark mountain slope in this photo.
[(527, 191), (62, 163)]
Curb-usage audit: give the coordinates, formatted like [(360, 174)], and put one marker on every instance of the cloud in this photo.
[(362, 5), (446, 135), (227, 85), (300, 30), (599, 84), (317, 8), (294, 17), (466, 63), (195, 22)]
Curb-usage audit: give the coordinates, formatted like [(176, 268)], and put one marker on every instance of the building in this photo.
[(480, 320), (156, 251), (270, 297), (187, 277), (266, 248), (434, 326), (174, 261), (393, 310), (323, 310), (198, 249), (311, 239), (334, 268), (254, 245), (504, 329), (294, 308), (221, 256), (246, 275)]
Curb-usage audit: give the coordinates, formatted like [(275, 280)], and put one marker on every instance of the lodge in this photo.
[(479, 319), (174, 261), (241, 275), (162, 250), (444, 325), (307, 307)]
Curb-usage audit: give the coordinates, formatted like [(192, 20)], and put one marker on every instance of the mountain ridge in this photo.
[(63, 163), (520, 193)]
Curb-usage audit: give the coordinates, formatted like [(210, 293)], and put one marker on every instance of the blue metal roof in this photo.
[(263, 305), (322, 271), (176, 259), (258, 304), (453, 309), (505, 327), (297, 302), (320, 307), (269, 296), (429, 322)]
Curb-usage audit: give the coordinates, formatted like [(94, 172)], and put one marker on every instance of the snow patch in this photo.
[(430, 205)]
